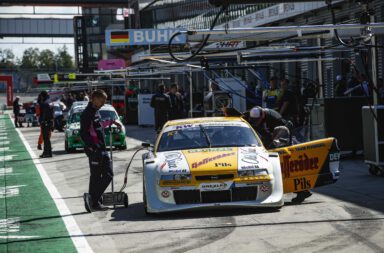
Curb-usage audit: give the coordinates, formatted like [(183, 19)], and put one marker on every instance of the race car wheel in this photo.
[(372, 170), (67, 149), (123, 147), (145, 200)]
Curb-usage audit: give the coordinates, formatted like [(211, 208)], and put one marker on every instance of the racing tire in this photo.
[(123, 147), (372, 170), (145, 201)]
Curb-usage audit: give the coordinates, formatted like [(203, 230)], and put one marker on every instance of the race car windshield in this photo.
[(110, 115), (75, 117), (218, 136)]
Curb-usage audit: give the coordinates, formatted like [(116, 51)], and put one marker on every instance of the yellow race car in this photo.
[(221, 162)]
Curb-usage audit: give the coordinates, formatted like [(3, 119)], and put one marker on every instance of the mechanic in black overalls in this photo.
[(16, 111), (264, 121), (160, 102), (92, 134), (177, 105), (46, 123)]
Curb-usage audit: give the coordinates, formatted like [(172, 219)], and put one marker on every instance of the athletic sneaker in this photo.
[(87, 202), (99, 207), (301, 196)]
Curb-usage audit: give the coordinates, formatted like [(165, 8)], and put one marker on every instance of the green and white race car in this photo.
[(72, 131)]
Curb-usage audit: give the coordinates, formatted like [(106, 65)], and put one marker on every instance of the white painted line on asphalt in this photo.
[(18, 237), (10, 191), (3, 138), (4, 149), (10, 225), (6, 158), (2, 133), (2, 143), (74, 231), (6, 171)]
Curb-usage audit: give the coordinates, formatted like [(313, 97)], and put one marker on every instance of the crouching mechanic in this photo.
[(92, 134), (265, 121)]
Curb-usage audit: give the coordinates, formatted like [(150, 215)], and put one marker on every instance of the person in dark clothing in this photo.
[(340, 86), (176, 110), (92, 134), (16, 111), (288, 105), (161, 104), (265, 121), (46, 122)]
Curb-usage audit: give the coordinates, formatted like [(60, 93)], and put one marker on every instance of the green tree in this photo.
[(30, 58), (46, 59), (7, 58), (63, 58)]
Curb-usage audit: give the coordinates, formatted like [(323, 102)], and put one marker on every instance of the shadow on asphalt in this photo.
[(58, 217), (135, 212), (356, 185), (171, 228)]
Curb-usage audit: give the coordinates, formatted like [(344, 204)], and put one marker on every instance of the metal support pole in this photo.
[(110, 78), (320, 71), (190, 93), (375, 95)]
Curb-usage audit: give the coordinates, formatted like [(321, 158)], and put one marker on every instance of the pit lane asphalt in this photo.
[(345, 217)]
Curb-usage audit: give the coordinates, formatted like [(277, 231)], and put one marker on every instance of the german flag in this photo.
[(120, 37)]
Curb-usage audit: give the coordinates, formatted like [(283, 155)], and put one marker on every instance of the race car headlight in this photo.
[(251, 173), (75, 132), (176, 177)]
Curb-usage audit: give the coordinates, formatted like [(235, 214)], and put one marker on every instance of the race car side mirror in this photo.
[(281, 142)]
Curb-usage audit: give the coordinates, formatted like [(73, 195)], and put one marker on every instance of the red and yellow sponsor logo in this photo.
[(215, 159), (301, 164)]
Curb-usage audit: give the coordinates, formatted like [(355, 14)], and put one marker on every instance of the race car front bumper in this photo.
[(169, 199)]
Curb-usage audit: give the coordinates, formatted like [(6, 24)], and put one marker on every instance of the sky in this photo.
[(18, 45)]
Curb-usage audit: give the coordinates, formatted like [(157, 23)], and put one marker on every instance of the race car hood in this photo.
[(199, 161), (74, 126)]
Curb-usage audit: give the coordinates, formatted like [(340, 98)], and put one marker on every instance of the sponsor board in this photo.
[(302, 184), (301, 164)]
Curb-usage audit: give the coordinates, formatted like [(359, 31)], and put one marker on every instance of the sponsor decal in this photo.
[(247, 150), (207, 160), (264, 188), (184, 126), (209, 150), (223, 165), (263, 157), (302, 183), (334, 157), (249, 167), (165, 194), (213, 186), (178, 170), (178, 182), (250, 158), (171, 159), (303, 163)]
